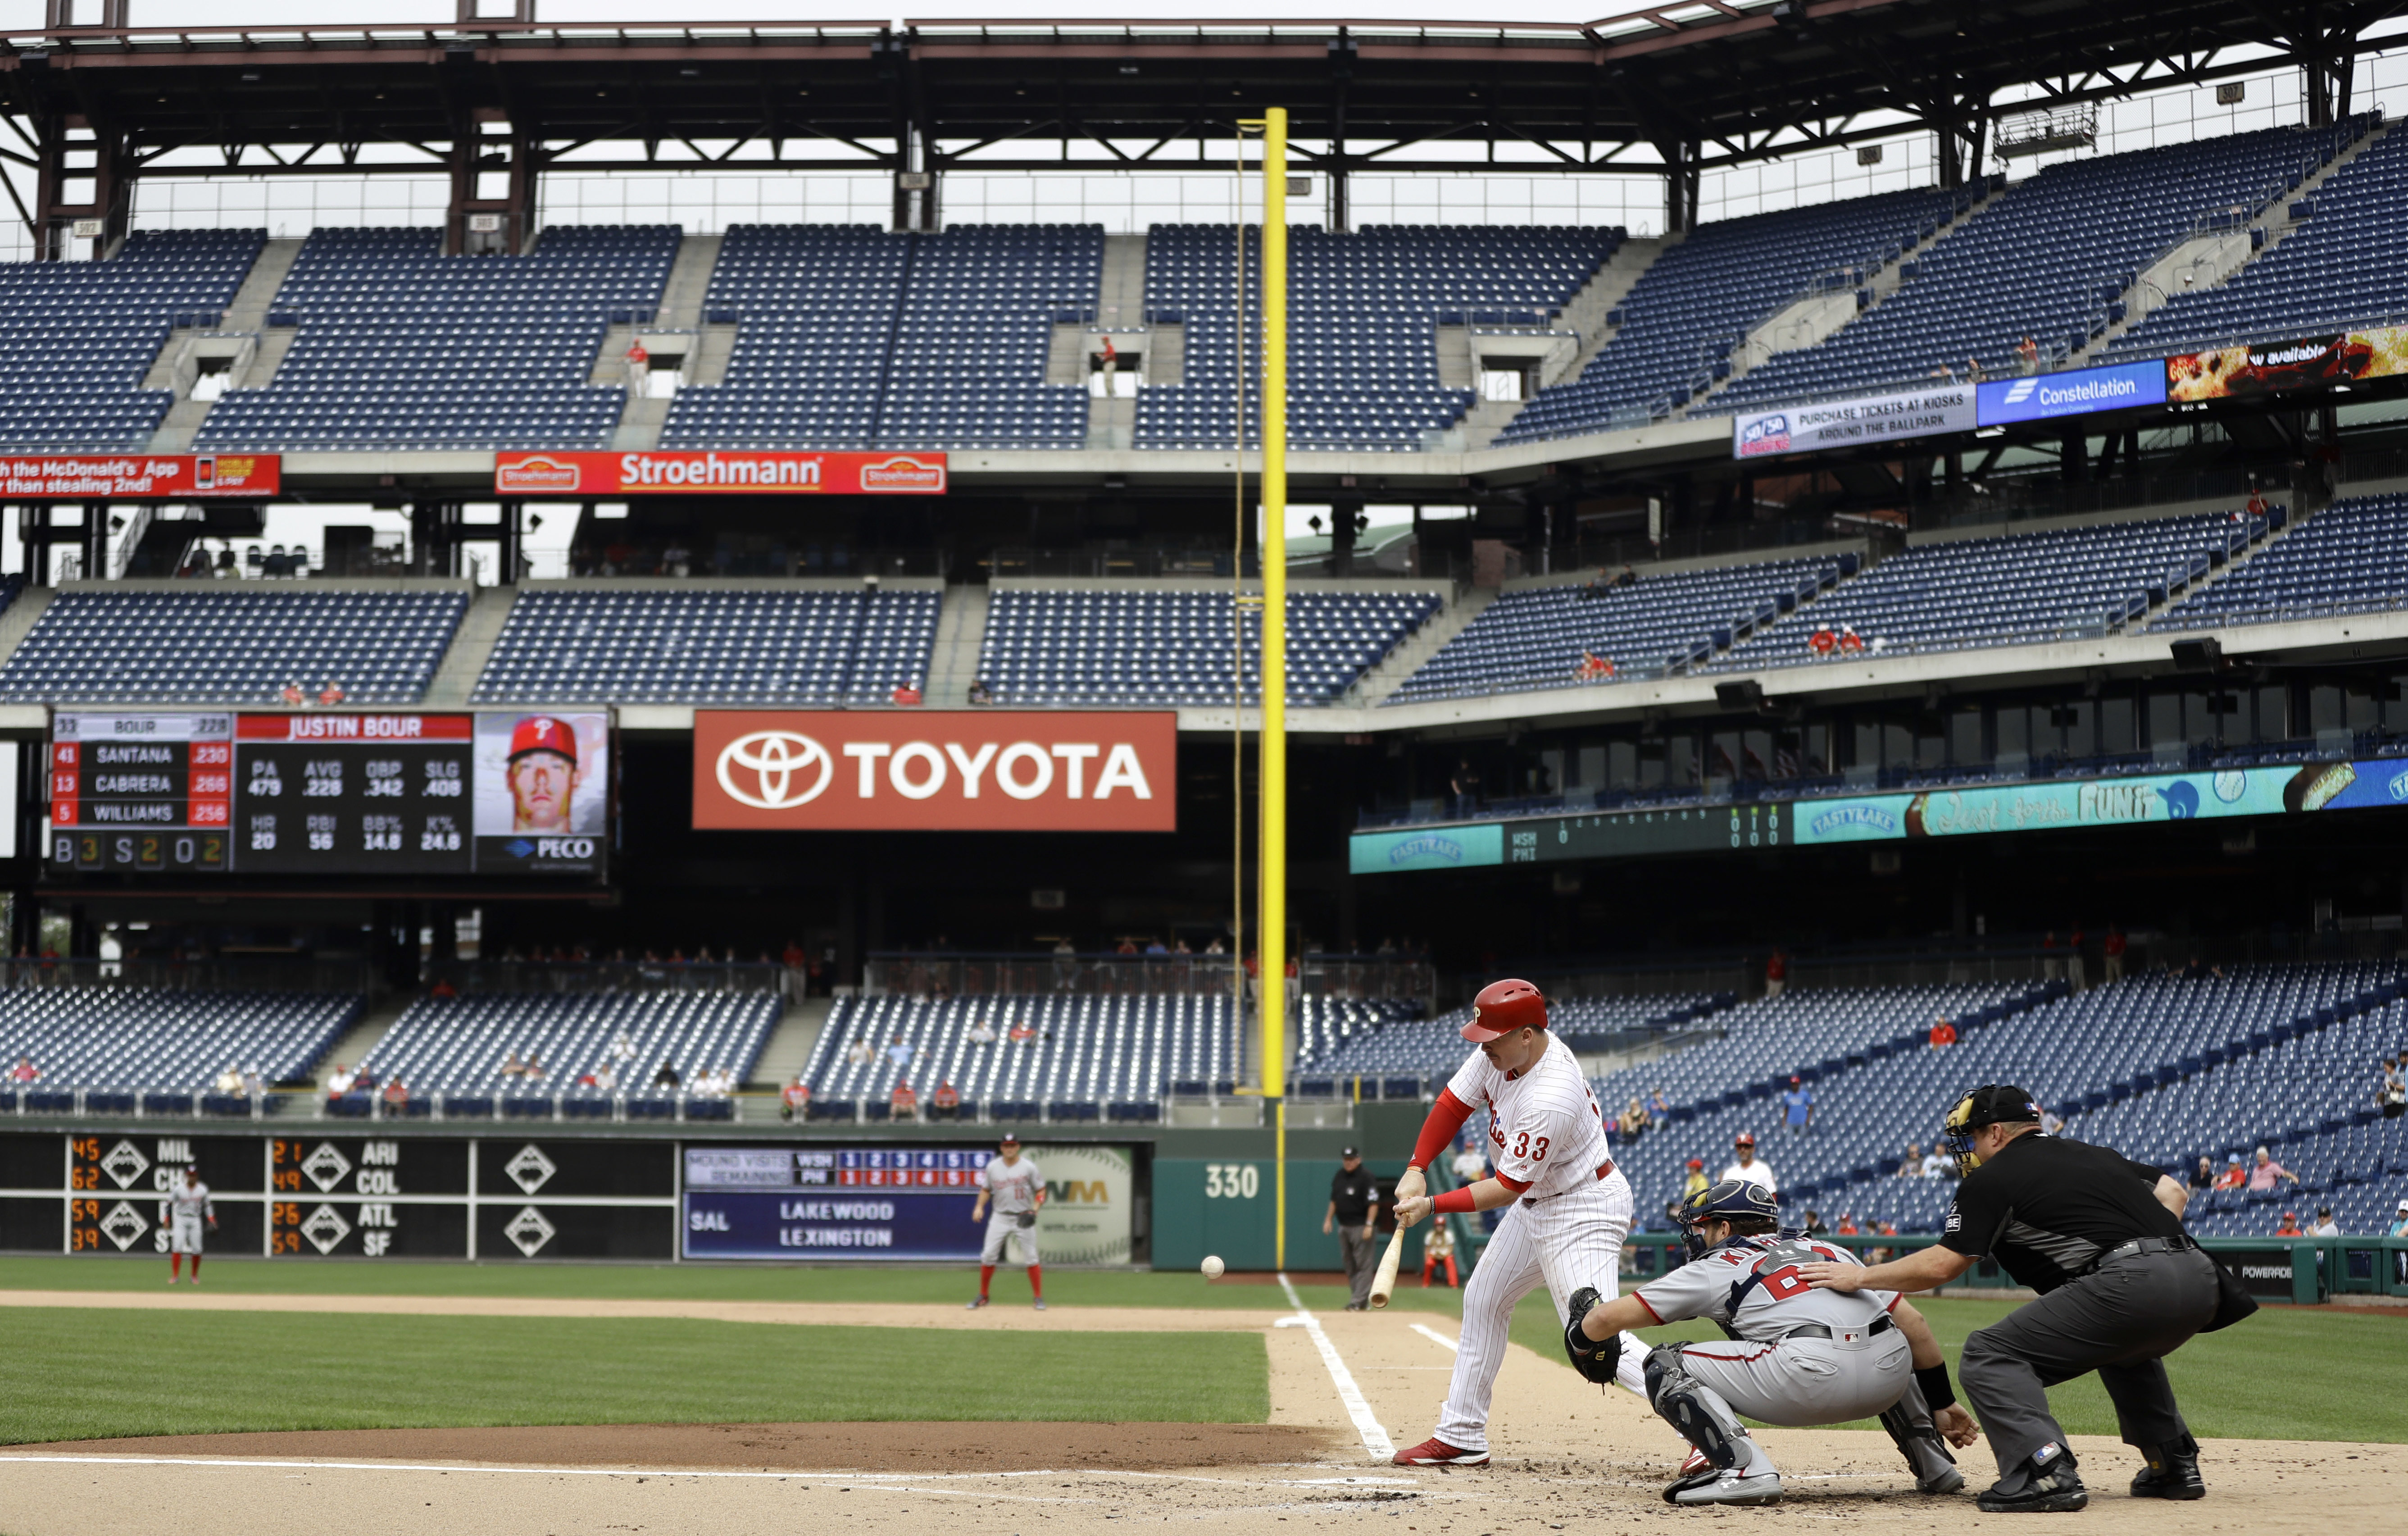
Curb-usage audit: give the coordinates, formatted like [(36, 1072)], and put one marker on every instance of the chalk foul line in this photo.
[(1375, 1438)]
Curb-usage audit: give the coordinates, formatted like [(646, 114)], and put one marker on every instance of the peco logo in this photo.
[(767, 769), (960, 770)]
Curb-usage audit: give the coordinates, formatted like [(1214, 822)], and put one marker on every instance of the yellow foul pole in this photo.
[(1273, 923)]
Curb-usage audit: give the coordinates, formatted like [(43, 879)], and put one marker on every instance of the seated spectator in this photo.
[(1598, 585), (396, 1097), (980, 693), (606, 1077), (332, 693), (1627, 578), (860, 1053), (2400, 1221), (2262, 1175), (290, 693), (443, 988), (1126, 946), (1156, 946), (23, 1071), (1850, 643), (945, 1104), (2203, 1176), (981, 1033), (1823, 642), (1943, 1033), (1911, 1166), (339, 1081), (1695, 1180), (2234, 1176), (228, 1082), (1815, 1225), (533, 1068), (2290, 1226), (512, 1066), (1021, 1033), (1938, 1163), (1658, 1107), (903, 1103), (2324, 1225), (907, 693), (2051, 1123), (668, 1077), (1847, 1228), (794, 1098), (2391, 1091), (254, 1084), (898, 1053)]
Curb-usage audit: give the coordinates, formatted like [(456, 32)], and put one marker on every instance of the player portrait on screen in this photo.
[(542, 774)]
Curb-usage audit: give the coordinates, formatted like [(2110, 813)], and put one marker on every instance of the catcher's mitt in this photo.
[(1027, 1219), (1594, 1359)]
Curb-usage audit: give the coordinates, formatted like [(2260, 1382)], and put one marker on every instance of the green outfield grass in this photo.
[(73, 1374), (2283, 1375)]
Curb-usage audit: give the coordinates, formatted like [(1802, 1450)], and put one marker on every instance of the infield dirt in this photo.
[(1568, 1458)]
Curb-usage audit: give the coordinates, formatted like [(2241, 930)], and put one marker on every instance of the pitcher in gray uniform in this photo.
[(2121, 1287), (1797, 1356)]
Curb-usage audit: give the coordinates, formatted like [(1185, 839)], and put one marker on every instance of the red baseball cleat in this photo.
[(1435, 1452)]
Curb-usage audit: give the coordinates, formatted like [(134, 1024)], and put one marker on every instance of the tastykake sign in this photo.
[(973, 770), (718, 473)]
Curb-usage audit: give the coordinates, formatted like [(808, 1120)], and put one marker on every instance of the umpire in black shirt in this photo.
[(1354, 1210), (2121, 1286)]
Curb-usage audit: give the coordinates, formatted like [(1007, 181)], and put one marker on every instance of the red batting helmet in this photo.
[(1503, 1006)]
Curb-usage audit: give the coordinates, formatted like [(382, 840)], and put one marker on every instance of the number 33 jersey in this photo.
[(1751, 1286), (1545, 1134)]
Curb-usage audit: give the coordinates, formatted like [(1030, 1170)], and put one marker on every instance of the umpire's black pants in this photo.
[(2120, 1320), (1362, 1256)]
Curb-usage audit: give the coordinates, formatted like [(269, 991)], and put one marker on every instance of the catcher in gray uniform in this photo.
[(1791, 1358)]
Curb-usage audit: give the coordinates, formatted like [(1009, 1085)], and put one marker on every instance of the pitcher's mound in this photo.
[(922, 1447)]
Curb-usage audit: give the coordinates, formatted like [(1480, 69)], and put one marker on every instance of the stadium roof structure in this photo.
[(1667, 90)]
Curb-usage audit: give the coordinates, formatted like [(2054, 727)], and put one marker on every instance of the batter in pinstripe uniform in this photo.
[(1570, 1208)]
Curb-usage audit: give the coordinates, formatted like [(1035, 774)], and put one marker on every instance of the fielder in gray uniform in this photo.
[(189, 1210), (1793, 1357)]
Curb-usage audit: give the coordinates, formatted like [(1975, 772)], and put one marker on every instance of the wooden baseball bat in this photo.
[(1384, 1280)]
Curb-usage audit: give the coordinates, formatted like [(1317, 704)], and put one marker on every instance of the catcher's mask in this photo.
[(1992, 1104), (1742, 1202)]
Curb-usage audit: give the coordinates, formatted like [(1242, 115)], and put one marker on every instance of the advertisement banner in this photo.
[(140, 477), (2268, 367), (897, 1202), (1846, 424), (2076, 391), (974, 770), (718, 473), (2103, 802), (1425, 848)]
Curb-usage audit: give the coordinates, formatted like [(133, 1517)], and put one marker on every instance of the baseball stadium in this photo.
[(1215, 769)]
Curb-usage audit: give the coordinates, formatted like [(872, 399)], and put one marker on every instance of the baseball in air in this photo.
[(1212, 1267)]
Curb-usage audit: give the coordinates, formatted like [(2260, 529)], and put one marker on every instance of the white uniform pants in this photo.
[(1566, 1243), (184, 1235), (1002, 1227), (1805, 1381)]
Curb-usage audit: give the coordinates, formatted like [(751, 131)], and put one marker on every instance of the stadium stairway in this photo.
[(954, 660), (1373, 687), (1587, 313), (354, 1045), (256, 362), (2211, 258), (18, 619), (1813, 317), (677, 330), (787, 1051), (472, 646)]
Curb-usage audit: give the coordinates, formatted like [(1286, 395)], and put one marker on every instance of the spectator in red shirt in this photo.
[(2262, 1177), (24, 1071), (1776, 974), (2234, 1176), (1943, 1033), (907, 693), (946, 1102), (903, 1103), (1823, 642), (2291, 1227), (2113, 950), (396, 1098), (794, 1098)]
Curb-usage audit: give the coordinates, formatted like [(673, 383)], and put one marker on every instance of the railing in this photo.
[(1363, 977), (590, 976), (221, 973)]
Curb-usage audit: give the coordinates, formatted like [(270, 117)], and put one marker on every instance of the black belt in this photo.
[(1602, 1170), (1816, 1330), (2179, 1244)]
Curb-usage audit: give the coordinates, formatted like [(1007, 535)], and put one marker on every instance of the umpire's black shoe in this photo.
[(2173, 1471), (2046, 1484)]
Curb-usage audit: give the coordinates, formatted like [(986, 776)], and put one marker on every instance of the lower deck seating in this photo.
[(653, 1043), (146, 1040), (1074, 1052)]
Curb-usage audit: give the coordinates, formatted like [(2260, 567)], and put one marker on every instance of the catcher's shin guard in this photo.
[(1698, 1412), (1909, 1423)]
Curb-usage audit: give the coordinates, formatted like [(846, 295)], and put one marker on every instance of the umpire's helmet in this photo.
[(1992, 1104), (1743, 1202)]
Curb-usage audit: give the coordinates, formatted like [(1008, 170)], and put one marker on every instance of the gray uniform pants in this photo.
[(1362, 1259), (2120, 1320)]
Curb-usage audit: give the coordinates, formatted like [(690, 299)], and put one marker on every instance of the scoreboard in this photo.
[(343, 1195), (330, 793)]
